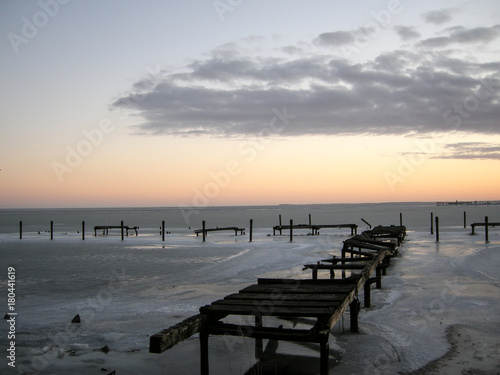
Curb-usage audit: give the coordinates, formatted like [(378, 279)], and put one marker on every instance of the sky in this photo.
[(236, 102)]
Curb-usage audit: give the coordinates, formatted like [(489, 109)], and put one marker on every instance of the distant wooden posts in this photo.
[(204, 232), (83, 230), (251, 229), (465, 219), (121, 229), (51, 230), (432, 222), (400, 219), (163, 230), (291, 230), (437, 229), (310, 220), (486, 239), (21, 230), (281, 231)]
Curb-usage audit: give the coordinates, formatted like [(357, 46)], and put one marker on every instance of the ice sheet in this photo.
[(125, 291)]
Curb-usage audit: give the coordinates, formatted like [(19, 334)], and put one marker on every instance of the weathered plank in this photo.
[(301, 298), (169, 337), (303, 289), (270, 303), (267, 310)]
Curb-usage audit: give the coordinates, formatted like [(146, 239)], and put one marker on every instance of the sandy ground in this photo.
[(473, 351)]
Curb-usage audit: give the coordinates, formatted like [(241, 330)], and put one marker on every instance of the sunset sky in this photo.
[(246, 102)]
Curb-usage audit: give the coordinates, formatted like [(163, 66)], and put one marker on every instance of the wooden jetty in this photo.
[(206, 230), (474, 225), (314, 228), (105, 229), (324, 300)]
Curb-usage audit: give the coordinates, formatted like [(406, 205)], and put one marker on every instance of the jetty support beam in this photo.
[(169, 337)]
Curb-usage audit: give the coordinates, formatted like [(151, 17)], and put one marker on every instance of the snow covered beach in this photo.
[(438, 299)]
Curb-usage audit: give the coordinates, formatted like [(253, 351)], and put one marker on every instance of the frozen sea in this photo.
[(434, 296)]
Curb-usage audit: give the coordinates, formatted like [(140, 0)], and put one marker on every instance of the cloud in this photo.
[(438, 17), (336, 38), (470, 151), (460, 35), (407, 32), (232, 92)]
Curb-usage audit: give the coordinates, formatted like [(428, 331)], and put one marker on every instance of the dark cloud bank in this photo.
[(435, 85)]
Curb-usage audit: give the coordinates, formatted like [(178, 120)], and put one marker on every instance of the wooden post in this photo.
[(437, 229), (367, 294), (401, 219), (204, 364), (51, 230), (21, 230), (259, 348), (83, 230), (121, 228), (378, 275), (281, 232), (465, 219), (310, 221), (251, 229), (203, 229), (486, 239), (432, 222), (324, 357), (354, 310), (163, 230), (291, 230)]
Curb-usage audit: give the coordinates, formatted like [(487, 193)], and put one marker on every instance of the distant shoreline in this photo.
[(469, 203)]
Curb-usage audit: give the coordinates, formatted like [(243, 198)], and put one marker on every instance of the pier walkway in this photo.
[(314, 227), (324, 300), (105, 229), (206, 230)]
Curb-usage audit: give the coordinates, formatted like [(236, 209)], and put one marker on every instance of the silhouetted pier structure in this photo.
[(322, 299), (314, 228), (236, 230), (105, 229), (474, 225)]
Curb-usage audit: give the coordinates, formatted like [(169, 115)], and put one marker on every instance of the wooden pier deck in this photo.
[(474, 225), (105, 229), (206, 230), (324, 300), (315, 228)]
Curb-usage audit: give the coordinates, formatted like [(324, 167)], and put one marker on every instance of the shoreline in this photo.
[(472, 351)]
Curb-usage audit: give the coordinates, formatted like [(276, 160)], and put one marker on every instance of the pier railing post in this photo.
[(51, 230), (486, 239), (437, 229), (203, 229), (163, 230), (21, 230), (291, 230), (465, 219), (432, 222), (401, 219), (121, 228), (251, 229), (281, 230), (83, 230)]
